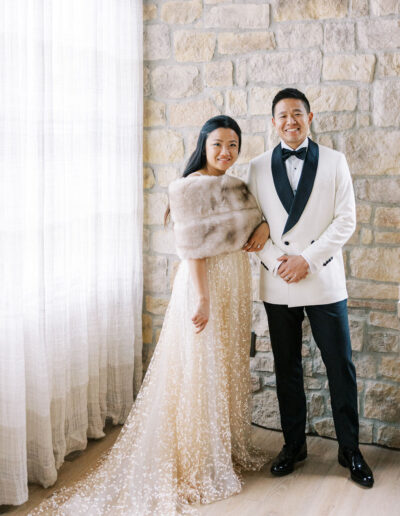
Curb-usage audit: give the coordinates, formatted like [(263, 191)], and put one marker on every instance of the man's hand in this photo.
[(293, 268), (257, 239)]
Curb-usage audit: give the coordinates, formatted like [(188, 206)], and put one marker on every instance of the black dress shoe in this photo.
[(359, 469), (288, 456)]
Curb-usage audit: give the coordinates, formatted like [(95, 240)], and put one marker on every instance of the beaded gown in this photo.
[(187, 437)]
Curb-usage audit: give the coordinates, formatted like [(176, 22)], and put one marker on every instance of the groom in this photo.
[(306, 195)]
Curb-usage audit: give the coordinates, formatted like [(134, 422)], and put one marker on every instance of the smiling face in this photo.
[(292, 121), (222, 150)]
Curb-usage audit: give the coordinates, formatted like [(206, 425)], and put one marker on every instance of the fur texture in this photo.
[(211, 214)]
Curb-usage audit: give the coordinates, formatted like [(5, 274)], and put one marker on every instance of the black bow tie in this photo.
[(301, 153)]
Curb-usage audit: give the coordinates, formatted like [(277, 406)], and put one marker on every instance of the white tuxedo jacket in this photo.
[(316, 222)]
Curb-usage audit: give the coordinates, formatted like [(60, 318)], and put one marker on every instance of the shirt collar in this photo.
[(304, 144)]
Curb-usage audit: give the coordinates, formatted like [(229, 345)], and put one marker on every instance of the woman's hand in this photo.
[(257, 239), (201, 315)]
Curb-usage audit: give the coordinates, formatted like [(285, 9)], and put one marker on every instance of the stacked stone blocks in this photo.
[(206, 57)]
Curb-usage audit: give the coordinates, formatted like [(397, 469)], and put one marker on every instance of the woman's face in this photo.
[(222, 150)]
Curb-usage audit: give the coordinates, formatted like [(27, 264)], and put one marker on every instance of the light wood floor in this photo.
[(318, 487)]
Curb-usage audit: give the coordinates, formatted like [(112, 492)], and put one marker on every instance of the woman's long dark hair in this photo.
[(198, 159)]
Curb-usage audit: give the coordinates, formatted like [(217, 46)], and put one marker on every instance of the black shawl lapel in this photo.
[(305, 186), (281, 181)]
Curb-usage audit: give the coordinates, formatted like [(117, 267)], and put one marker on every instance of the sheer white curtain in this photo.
[(70, 229)]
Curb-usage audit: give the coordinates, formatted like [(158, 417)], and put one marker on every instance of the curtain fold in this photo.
[(70, 229)]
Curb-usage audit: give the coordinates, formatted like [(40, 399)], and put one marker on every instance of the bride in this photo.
[(188, 435)]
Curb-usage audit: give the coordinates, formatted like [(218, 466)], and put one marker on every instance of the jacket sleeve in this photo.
[(343, 224), (270, 253)]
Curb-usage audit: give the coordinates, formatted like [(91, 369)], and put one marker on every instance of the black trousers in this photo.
[(330, 329)]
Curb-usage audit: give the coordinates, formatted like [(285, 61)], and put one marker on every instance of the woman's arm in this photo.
[(198, 273), (258, 238)]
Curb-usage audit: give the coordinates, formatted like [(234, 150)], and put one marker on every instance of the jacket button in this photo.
[(286, 242)]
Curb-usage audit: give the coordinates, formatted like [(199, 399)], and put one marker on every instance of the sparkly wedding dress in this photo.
[(187, 437)]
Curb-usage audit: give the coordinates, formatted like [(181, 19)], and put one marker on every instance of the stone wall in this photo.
[(208, 57)]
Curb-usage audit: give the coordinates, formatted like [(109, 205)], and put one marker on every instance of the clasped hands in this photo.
[(293, 268)]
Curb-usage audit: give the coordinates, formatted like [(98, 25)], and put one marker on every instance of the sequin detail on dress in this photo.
[(188, 435)]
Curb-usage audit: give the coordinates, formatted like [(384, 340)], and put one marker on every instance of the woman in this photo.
[(188, 434)]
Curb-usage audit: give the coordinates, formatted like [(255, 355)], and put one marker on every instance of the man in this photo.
[(306, 195)]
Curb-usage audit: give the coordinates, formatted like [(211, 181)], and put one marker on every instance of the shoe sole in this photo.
[(300, 458), (346, 465)]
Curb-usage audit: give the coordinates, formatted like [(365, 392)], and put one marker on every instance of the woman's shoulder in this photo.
[(199, 181), (189, 181), (181, 179), (198, 173)]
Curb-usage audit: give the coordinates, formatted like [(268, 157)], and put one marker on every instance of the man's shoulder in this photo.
[(329, 154), (333, 162), (263, 158)]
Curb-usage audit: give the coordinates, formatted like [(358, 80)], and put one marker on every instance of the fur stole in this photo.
[(211, 214)]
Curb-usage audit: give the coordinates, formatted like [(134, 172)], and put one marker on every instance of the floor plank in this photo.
[(319, 486), (69, 472)]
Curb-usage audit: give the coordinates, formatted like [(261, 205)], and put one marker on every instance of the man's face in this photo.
[(292, 121)]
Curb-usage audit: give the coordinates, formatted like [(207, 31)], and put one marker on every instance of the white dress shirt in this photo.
[(294, 165)]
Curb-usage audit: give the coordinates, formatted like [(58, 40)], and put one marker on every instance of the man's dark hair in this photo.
[(290, 93)]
